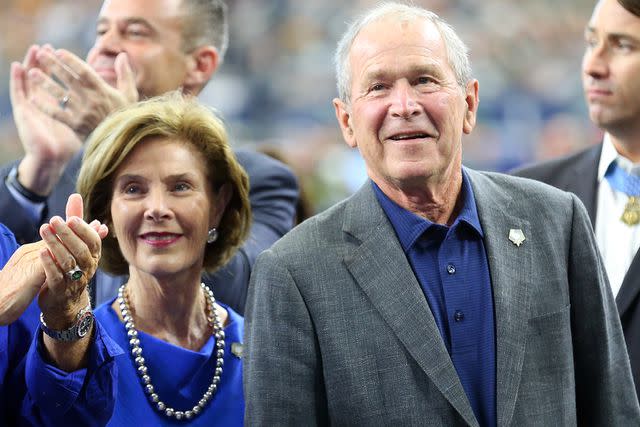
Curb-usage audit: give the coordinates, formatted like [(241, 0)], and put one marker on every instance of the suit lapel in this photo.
[(630, 286), (584, 181), (585, 186), (510, 270), (381, 269)]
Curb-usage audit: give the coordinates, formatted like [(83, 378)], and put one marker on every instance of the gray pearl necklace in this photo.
[(145, 378)]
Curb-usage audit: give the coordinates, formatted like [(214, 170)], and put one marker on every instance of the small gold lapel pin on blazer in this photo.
[(516, 236)]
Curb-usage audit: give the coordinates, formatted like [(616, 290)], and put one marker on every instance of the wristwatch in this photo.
[(80, 328)]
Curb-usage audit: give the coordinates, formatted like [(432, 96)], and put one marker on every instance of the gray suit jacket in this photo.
[(578, 174), (338, 330)]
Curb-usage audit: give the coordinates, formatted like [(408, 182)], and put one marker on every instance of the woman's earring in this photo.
[(212, 236)]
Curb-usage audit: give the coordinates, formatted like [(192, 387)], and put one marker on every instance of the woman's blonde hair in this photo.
[(180, 118)]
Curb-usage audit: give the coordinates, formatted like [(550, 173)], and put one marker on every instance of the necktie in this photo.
[(628, 184)]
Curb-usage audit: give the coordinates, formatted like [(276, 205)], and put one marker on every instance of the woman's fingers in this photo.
[(80, 239), (101, 229), (74, 206), (63, 294), (52, 272), (88, 235), (61, 253)]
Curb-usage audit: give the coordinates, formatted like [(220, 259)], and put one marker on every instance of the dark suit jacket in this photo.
[(338, 330), (579, 174), (273, 195)]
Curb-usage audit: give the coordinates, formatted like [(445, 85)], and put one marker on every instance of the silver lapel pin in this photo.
[(237, 349), (516, 236)]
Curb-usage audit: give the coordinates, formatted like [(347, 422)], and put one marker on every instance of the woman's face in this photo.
[(163, 206)]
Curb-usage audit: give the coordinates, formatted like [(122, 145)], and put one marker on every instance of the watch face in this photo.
[(85, 324)]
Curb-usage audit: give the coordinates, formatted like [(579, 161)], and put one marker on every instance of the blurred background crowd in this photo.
[(276, 84)]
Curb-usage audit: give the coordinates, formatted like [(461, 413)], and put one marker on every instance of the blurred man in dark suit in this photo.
[(143, 48), (606, 177)]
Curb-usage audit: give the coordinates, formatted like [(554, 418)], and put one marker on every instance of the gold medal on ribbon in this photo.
[(631, 214)]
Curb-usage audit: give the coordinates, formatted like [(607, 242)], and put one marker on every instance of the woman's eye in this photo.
[(182, 186), (132, 189)]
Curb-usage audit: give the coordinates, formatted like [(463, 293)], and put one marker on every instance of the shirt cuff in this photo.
[(86, 395), (33, 209)]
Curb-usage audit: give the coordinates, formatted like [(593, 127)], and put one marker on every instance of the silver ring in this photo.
[(75, 273), (64, 101)]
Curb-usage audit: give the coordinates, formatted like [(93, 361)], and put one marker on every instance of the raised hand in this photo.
[(48, 143), (71, 243), (20, 281), (23, 277), (84, 98)]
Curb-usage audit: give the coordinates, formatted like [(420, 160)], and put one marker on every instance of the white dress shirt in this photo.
[(617, 241)]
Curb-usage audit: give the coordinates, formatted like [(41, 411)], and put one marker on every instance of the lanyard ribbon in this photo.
[(622, 181)]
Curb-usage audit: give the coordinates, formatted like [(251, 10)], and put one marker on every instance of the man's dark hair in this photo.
[(205, 24), (632, 6)]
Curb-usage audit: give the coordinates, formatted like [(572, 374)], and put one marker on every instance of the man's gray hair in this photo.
[(457, 51), (205, 23)]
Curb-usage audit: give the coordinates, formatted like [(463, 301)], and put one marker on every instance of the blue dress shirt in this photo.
[(451, 266)]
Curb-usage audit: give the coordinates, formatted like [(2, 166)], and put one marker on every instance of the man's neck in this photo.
[(438, 202), (626, 143)]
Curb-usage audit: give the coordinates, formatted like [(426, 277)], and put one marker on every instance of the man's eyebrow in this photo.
[(614, 36), (377, 74), (137, 20), (382, 73), (623, 36), (128, 21)]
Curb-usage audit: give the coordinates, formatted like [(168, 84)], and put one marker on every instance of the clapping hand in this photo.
[(83, 98), (23, 276), (58, 100), (71, 246)]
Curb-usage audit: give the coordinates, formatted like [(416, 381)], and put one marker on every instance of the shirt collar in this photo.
[(409, 226), (609, 155)]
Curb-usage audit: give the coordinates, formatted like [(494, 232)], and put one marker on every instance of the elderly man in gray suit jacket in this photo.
[(436, 295)]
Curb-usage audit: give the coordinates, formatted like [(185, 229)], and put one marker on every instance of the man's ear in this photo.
[(472, 100), (343, 115), (202, 63)]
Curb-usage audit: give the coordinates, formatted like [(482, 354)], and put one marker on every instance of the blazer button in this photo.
[(451, 269), (458, 316)]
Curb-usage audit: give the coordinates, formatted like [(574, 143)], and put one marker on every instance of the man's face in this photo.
[(150, 32), (611, 67), (407, 112)]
